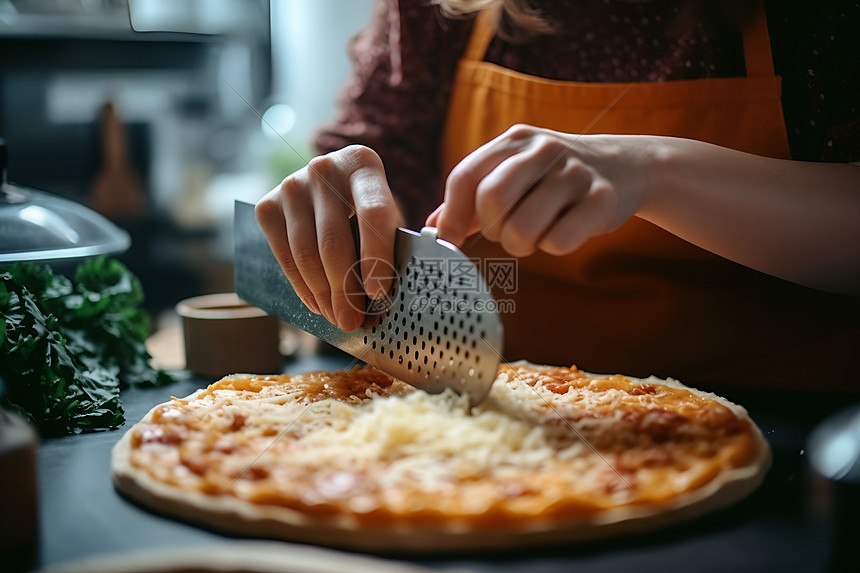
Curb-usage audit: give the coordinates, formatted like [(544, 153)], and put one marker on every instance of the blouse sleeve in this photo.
[(396, 97)]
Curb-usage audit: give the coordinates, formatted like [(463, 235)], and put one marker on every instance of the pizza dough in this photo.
[(359, 460)]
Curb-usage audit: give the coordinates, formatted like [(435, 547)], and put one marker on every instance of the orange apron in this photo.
[(639, 300)]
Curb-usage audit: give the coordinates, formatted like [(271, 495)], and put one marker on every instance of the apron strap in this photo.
[(757, 54), (482, 34)]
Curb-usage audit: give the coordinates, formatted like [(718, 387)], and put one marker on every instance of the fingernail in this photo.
[(436, 213), (373, 289)]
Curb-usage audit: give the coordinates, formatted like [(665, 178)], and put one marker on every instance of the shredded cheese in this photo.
[(545, 441)]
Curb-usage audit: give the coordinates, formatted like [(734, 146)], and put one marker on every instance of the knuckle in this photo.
[(575, 168), (322, 171), (607, 206), (599, 191), (267, 209), (287, 264), (510, 244), (489, 199), (291, 188), (516, 232), (378, 213), (322, 290), (600, 195), (520, 131), (362, 155), (546, 146), (516, 239), (321, 167), (333, 246), (306, 260), (458, 177)]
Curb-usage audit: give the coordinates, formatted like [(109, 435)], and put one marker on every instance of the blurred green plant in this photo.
[(68, 347)]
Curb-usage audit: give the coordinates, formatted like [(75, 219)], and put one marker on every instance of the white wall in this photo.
[(309, 55)]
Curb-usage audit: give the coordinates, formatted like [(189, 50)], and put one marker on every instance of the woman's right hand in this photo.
[(306, 221)]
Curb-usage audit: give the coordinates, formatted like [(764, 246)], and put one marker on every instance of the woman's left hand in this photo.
[(536, 189)]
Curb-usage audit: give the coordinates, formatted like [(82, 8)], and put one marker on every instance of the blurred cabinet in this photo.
[(182, 77)]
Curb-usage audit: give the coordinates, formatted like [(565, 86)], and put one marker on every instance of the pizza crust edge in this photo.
[(230, 515)]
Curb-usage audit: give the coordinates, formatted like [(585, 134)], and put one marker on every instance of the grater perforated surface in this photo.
[(441, 329), (438, 327)]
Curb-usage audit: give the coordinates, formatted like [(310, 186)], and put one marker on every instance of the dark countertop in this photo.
[(784, 526)]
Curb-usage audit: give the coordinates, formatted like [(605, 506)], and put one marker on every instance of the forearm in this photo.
[(795, 220)]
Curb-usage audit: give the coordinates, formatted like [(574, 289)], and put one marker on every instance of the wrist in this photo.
[(664, 165)]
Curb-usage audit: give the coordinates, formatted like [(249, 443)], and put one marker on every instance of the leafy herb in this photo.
[(66, 348)]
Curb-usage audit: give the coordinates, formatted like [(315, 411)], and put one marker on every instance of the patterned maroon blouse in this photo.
[(404, 61)]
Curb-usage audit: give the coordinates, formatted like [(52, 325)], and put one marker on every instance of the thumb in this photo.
[(437, 219), (433, 218)]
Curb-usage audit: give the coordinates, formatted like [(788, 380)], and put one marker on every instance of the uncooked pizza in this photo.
[(360, 460)]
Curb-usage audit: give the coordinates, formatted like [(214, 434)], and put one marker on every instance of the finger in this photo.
[(335, 246), (589, 217), (302, 237), (270, 214), (433, 217), (378, 219), (456, 218), (337, 253), (433, 220), (501, 190), (542, 206)]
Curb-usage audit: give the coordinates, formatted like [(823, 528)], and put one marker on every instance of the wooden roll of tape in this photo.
[(225, 335)]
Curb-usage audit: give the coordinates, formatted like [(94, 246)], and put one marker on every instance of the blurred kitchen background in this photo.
[(147, 111)]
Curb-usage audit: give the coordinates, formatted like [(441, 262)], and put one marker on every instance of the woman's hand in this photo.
[(536, 189), (306, 221)]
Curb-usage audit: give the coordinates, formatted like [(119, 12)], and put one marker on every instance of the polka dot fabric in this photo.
[(395, 100), (816, 50), (616, 41)]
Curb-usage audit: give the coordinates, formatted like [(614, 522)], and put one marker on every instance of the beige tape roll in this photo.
[(225, 335)]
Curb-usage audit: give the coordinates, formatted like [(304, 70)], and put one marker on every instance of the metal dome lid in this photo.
[(36, 226)]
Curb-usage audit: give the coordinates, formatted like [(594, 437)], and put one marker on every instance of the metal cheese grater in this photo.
[(438, 328)]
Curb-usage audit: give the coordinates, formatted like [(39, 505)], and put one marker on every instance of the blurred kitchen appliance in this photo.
[(45, 228), (170, 90), (62, 61)]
